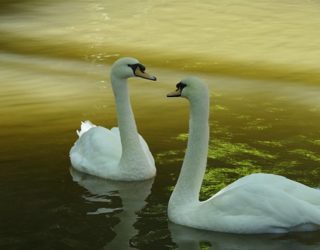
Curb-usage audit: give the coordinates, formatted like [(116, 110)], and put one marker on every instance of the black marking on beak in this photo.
[(137, 65), (180, 86), (139, 71)]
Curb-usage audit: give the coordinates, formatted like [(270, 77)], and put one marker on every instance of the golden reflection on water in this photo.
[(54, 68), (261, 39)]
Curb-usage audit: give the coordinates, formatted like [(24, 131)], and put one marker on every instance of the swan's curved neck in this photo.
[(194, 165), (131, 146)]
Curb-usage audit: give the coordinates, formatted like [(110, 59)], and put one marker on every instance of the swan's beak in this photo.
[(176, 93), (144, 75)]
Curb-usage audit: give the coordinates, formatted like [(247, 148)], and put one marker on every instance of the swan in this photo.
[(119, 153), (257, 203)]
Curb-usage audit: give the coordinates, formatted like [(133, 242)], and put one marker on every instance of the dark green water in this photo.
[(255, 126), (48, 87)]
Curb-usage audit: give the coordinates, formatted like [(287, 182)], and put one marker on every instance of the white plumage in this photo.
[(120, 153), (85, 126), (257, 203), (98, 151)]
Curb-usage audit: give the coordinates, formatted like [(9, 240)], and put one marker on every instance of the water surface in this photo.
[(53, 76)]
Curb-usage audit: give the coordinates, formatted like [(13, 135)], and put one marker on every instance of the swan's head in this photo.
[(130, 67), (192, 88)]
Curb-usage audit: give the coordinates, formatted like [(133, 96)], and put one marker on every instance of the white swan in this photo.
[(120, 153), (257, 203)]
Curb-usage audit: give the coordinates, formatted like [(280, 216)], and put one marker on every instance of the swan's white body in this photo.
[(120, 153), (257, 203)]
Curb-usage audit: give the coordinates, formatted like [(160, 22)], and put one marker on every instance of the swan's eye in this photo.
[(180, 86), (137, 65), (133, 66)]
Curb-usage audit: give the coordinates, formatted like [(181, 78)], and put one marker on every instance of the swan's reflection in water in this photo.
[(132, 195), (193, 239)]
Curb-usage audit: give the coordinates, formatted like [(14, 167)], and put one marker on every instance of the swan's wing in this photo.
[(280, 183), (249, 206), (97, 151), (85, 126)]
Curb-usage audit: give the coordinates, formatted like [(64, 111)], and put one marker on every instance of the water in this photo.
[(53, 76), (274, 39)]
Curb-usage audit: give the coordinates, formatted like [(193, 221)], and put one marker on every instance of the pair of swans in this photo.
[(257, 203)]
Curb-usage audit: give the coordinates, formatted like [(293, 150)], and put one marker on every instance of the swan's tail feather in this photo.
[(85, 126)]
